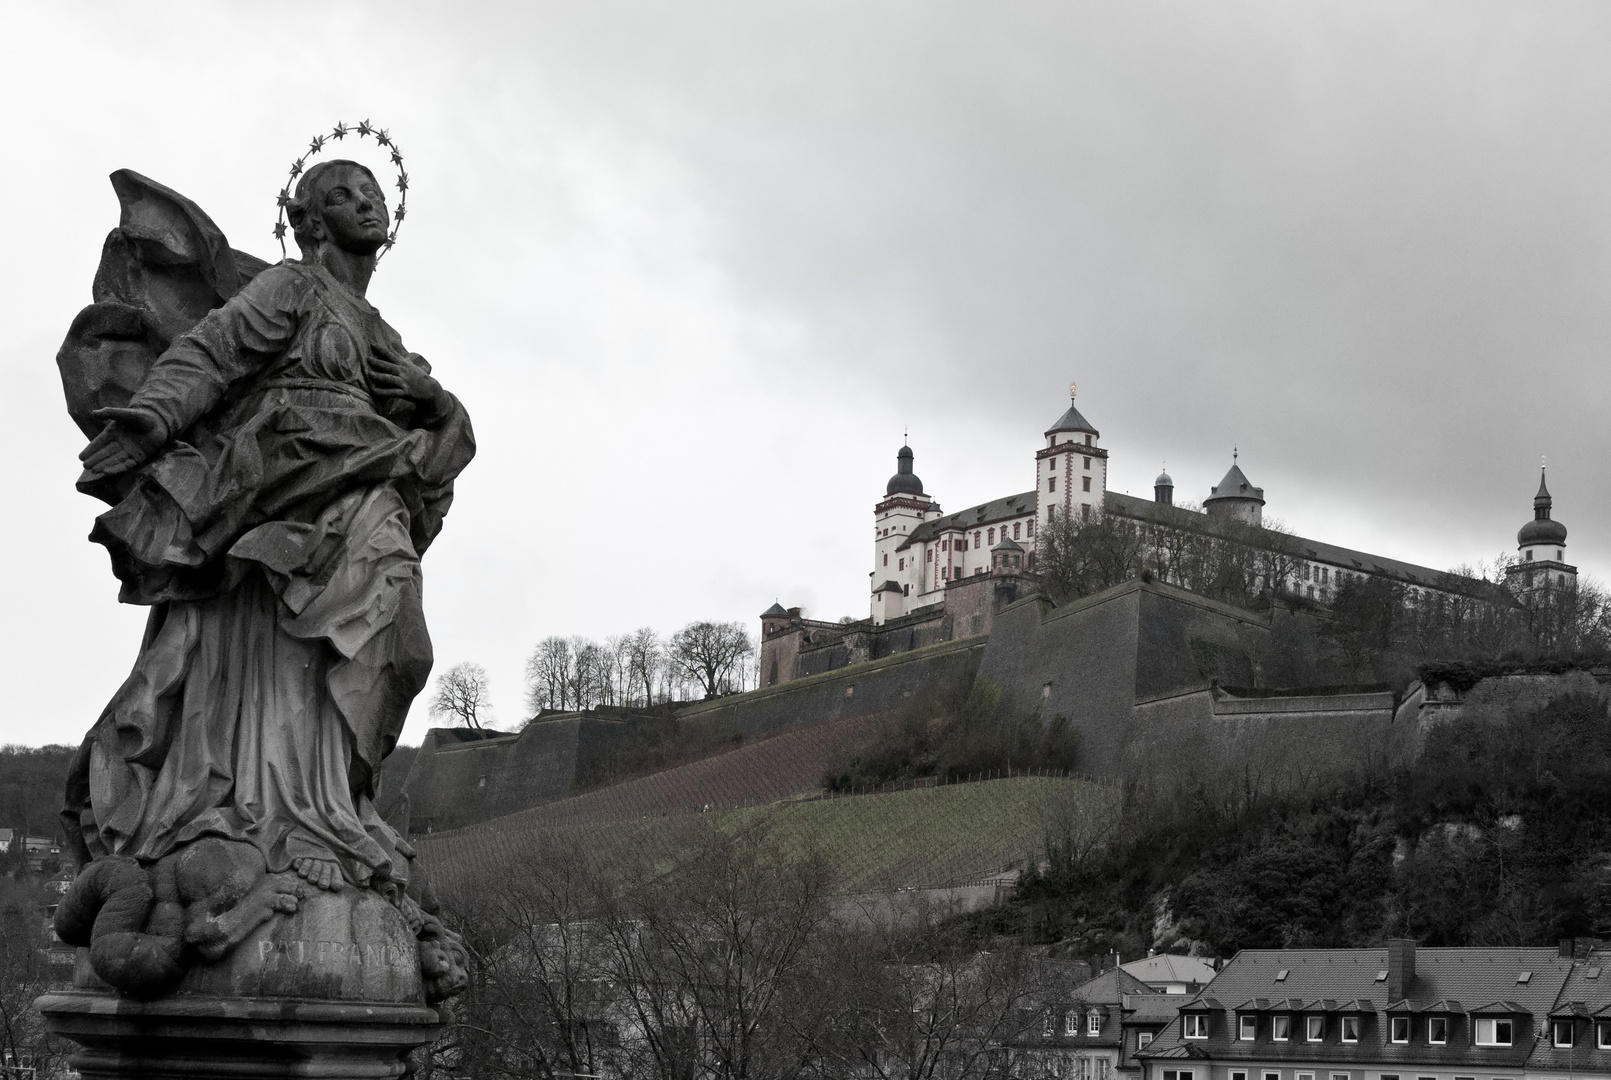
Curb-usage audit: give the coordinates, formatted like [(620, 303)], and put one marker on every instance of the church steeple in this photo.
[(1541, 547)]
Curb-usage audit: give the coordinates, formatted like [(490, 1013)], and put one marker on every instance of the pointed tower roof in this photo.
[(1235, 486), (775, 609), (1072, 420)]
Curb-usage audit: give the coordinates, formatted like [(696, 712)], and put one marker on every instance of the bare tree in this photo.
[(706, 652), (548, 675), (463, 692), (644, 660)]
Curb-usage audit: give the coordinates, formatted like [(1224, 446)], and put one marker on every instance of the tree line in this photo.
[(635, 670)]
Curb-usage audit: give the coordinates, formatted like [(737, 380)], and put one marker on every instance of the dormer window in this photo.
[(1281, 1028), (1437, 1030), (1350, 1029), (1194, 1025), (1249, 1027), (1093, 1023), (1563, 1033), (1316, 1028), (1602, 1035), (1495, 1031), (1071, 1023), (1400, 1029)]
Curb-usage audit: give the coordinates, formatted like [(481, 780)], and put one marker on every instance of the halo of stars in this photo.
[(364, 130)]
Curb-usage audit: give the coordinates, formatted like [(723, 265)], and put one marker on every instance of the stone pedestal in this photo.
[(333, 990), (201, 1036)]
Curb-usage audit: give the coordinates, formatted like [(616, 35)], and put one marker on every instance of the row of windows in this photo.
[(1486, 1031), (1071, 1022)]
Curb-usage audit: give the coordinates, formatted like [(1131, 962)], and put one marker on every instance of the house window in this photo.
[(1304, 1076), (1350, 1029), (1272, 1076), (1401, 1030), (1143, 1039), (1051, 483), (1316, 1028), (1339, 1076), (1093, 1023), (1249, 1029), (1437, 1030), (1194, 1025), (1177, 1074), (1602, 1035), (1238, 1074), (1281, 1028), (1087, 482), (1046, 1024), (1562, 1033), (1071, 1023), (1389, 1076), (1495, 1032)]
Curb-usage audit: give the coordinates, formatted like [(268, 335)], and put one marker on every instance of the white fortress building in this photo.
[(919, 553)]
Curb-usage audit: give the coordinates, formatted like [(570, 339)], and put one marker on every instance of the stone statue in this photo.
[(276, 463)]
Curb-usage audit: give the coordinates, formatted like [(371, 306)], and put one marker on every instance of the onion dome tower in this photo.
[(1163, 489), (1541, 549), (1235, 498), (903, 508)]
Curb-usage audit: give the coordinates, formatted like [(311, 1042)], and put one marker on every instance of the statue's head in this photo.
[(340, 203)]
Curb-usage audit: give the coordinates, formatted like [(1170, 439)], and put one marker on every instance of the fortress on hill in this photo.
[(1152, 678), (937, 577)]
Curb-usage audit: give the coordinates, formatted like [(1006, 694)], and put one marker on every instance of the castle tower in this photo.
[(904, 507), (1071, 470), (1235, 498), (1163, 489), (1541, 549)]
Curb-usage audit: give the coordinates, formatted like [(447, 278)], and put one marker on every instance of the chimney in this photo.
[(1400, 968)]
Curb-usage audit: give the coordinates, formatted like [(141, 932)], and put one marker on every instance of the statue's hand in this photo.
[(130, 437), (395, 378)]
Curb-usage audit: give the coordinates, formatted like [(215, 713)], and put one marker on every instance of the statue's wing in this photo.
[(164, 267)]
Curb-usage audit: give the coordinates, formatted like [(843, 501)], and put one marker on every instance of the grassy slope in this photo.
[(927, 837)]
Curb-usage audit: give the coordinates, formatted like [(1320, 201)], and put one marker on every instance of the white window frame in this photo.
[(1247, 1027), (1602, 1035), (1272, 1075), (1304, 1076), (1194, 1025), (1430, 1041), (1238, 1074), (1490, 1026), (1143, 1039), (1339, 1076), (1275, 1029), (1393, 1027), (1555, 1029), (1071, 1022), (1347, 1023), (1314, 1029), (1093, 1022)]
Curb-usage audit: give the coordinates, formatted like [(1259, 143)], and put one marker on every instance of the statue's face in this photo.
[(353, 210)]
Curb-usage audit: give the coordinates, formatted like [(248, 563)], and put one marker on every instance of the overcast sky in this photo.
[(692, 268)]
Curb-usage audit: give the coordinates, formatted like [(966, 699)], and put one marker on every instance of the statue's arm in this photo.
[(233, 341)]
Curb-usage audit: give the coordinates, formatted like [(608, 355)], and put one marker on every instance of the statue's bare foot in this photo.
[(323, 873)]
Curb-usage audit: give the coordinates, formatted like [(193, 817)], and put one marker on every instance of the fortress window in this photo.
[(1029, 526), (1085, 511), (900, 564), (1087, 464), (976, 538), (886, 558), (1051, 483), (1015, 527), (1529, 556), (992, 536), (1087, 440), (928, 554), (1087, 480)]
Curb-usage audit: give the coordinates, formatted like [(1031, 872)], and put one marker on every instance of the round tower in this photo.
[(1235, 498), (1541, 548)]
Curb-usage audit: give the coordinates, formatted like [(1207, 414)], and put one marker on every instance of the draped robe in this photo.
[(277, 538)]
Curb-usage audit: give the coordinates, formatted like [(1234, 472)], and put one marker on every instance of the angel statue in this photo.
[(276, 462)]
